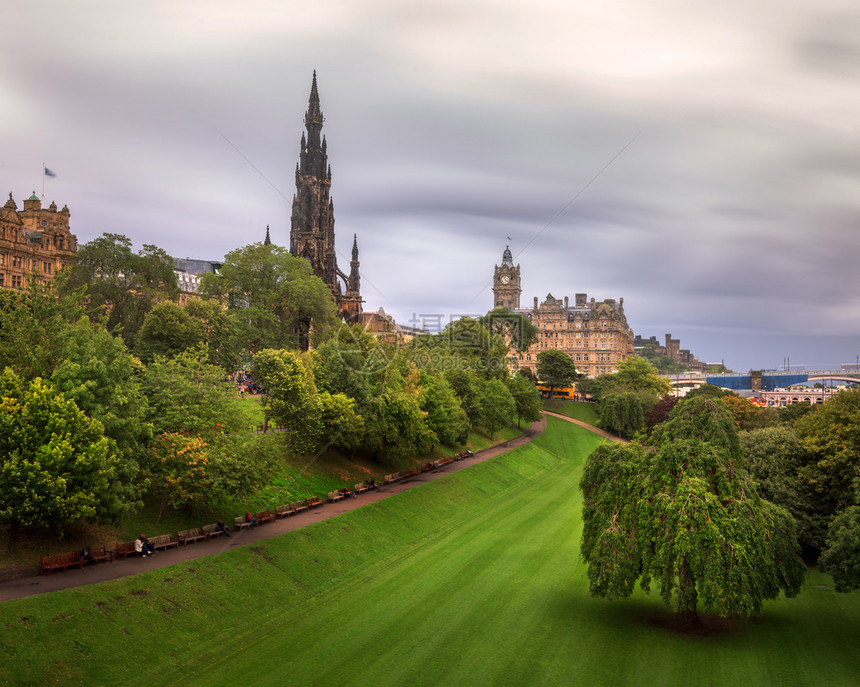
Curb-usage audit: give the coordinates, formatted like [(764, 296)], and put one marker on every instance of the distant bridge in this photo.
[(761, 381)]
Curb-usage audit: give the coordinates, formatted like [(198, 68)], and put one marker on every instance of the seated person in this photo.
[(85, 555), (221, 527), (250, 518), (145, 545)]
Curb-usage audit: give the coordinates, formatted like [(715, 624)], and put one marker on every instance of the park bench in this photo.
[(392, 478), (192, 536), (100, 554), (210, 531), (124, 549), (314, 501), (284, 511), (360, 488), (163, 541), (299, 506), (240, 522), (264, 516), (60, 561), (334, 496)]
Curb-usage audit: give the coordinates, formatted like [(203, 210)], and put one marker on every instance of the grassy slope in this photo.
[(474, 579), (575, 409)]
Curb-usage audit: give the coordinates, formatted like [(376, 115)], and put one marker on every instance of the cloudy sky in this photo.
[(700, 160)]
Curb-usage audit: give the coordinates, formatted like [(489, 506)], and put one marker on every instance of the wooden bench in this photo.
[(124, 549), (284, 511), (299, 507), (211, 532), (392, 478), (100, 554), (360, 488), (264, 516), (314, 502), (240, 523), (163, 541), (60, 561), (334, 496), (192, 536)]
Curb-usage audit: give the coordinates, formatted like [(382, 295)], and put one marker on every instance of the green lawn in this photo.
[(471, 580), (575, 409)]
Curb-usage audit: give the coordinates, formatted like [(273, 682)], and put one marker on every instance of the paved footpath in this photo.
[(32, 585)]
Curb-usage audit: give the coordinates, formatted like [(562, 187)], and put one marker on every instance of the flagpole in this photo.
[(43, 182)]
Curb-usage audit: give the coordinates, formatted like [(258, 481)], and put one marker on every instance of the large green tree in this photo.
[(555, 369), (32, 325), (167, 329), (54, 461), (290, 395), (274, 297), (498, 408), (526, 397), (445, 415), (622, 414), (121, 285), (831, 436), (841, 558), (186, 394), (97, 372), (515, 328), (679, 510)]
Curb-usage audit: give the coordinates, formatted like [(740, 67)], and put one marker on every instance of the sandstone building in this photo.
[(312, 221), (671, 350), (594, 334), (35, 242)]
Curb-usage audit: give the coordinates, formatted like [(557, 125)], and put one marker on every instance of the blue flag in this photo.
[(49, 173)]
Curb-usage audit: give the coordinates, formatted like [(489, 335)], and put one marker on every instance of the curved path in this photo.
[(592, 428), (41, 584)]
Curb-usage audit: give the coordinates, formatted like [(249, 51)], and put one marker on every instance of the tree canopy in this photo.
[(54, 461), (680, 510), (555, 369), (276, 299), (121, 286)]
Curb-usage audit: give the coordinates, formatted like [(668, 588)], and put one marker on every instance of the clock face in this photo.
[(506, 279)]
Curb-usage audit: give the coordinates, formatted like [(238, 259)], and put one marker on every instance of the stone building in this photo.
[(35, 242), (312, 221), (671, 350), (594, 334)]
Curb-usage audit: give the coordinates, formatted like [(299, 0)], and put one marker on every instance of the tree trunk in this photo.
[(161, 509), (687, 597)]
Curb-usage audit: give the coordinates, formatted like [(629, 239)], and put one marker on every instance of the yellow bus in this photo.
[(562, 392)]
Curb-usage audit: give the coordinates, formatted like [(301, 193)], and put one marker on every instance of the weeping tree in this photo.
[(679, 512)]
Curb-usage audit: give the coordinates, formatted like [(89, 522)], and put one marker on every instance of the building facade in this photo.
[(595, 334), (671, 350), (312, 221), (35, 242)]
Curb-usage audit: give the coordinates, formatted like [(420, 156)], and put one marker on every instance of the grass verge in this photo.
[(576, 409), (473, 579)]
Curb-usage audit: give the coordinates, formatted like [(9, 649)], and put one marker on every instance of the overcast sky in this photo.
[(700, 160)]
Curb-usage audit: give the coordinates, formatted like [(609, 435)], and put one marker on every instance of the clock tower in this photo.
[(506, 283)]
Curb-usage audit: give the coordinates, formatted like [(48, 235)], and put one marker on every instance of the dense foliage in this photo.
[(679, 510)]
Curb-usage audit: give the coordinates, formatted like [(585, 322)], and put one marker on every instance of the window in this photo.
[(2, 279), (2, 258), (16, 281), (46, 267), (16, 261)]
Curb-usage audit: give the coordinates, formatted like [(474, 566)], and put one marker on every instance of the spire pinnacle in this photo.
[(268, 241)]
